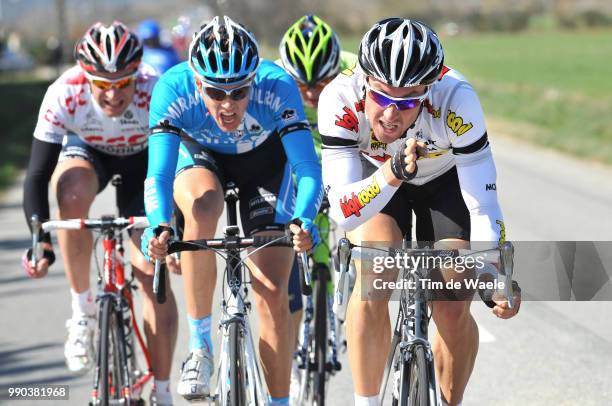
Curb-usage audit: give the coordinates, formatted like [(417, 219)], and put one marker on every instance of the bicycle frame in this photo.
[(113, 287), (411, 328), (234, 306)]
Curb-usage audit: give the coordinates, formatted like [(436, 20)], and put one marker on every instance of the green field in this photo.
[(19, 106), (551, 88)]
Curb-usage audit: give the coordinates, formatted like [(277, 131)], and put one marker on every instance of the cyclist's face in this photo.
[(229, 111), (389, 123), (113, 92), (310, 95)]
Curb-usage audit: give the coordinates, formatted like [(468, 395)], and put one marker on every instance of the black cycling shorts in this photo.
[(263, 177), (132, 168), (438, 206)]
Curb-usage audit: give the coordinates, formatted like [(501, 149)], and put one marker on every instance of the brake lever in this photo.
[(506, 251), (344, 258), (303, 260), (37, 249)]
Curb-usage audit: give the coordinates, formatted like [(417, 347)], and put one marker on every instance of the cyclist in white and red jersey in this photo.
[(401, 103), (95, 119)]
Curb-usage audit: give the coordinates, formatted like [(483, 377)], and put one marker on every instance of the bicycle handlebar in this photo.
[(82, 224), (229, 243), (502, 255), (39, 227)]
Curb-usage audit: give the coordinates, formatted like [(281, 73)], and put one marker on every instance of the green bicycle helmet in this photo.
[(310, 50)]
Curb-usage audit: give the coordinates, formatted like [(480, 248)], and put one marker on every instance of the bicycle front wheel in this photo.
[(102, 384), (237, 365), (414, 381)]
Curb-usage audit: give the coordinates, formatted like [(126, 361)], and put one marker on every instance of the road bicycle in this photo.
[(319, 339), (410, 361), (239, 379), (118, 379)]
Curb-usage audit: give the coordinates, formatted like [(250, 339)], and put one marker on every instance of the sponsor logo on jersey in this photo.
[(181, 105), (143, 100), (116, 142), (490, 186), (128, 118), (150, 195), (261, 212), (72, 102), (288, 115), (348, 120), (267, 98), (52, 118), (455, 123), (375, 145), (352, 205), (431, 110), (263, 199), (360, 106)]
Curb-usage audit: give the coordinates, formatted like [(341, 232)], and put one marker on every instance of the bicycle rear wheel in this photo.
[(414, 381), (237, 396), (320, 336)]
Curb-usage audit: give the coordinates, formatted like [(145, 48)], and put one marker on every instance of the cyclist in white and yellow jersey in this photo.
[(401, 103)]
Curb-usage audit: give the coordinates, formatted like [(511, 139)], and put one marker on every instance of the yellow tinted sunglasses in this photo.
[(107, 84)]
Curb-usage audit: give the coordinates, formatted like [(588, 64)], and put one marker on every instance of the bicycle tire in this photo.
[(414, 380), (320, 336), (104, 325), (237, 367), (120, 370)]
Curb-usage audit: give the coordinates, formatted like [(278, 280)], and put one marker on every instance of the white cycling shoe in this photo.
[(195, 375), (79, 346)]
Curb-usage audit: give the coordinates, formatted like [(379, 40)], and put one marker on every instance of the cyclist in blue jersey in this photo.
[(159, 56), (226, 115)]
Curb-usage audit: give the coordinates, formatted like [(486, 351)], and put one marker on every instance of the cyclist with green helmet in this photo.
[(310, 52)]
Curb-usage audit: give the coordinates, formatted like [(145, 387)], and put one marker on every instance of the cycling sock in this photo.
[(199, 334), (82, 304), (279, 401), (160, 386), (366, 400), (446, 404)]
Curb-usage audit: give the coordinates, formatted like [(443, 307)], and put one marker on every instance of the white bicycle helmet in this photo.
[(108, 49), (401, 53)]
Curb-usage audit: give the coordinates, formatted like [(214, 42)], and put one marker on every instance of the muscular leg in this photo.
[(455, 343), (75, 184), (270, 275), (367, 322), (199, 196), (160, 320)]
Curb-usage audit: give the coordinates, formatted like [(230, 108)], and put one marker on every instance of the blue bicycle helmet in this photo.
[(224, 53), (148, 30)]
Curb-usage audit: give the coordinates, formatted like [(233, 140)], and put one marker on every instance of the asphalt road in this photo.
[(552, 353)]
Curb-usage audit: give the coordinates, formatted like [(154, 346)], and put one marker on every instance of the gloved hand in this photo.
[(42, 265)]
